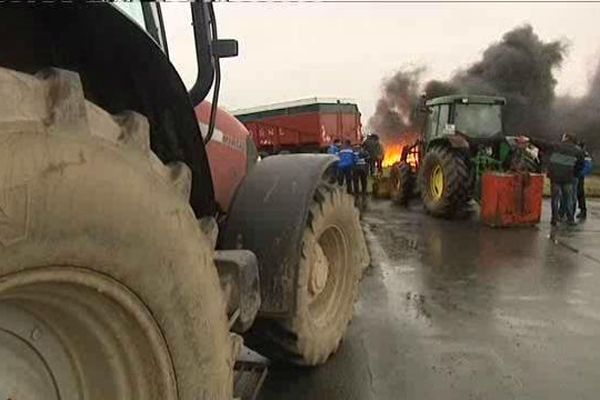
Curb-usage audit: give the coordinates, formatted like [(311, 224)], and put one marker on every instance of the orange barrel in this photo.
[(511, 199)]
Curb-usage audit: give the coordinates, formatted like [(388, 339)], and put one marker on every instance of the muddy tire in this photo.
[(444, 182), (402, 183), (334, 254), (107, 285)]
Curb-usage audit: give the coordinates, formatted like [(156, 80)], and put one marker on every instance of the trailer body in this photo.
[(302, 126)]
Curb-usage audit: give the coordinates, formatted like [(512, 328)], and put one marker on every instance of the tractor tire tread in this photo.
[(84, 171), (295, 339), (457, 185)]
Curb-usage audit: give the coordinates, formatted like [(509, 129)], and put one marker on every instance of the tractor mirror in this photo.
[(224, 48)]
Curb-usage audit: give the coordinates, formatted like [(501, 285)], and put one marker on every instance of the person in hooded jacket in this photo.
[(346, 165)]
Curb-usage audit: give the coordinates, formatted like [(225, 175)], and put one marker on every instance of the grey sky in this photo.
[(291, 51)]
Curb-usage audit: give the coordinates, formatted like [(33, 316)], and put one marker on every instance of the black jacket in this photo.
[(564, 160)]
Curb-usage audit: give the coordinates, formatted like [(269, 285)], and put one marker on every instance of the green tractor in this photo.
[(462, 138)]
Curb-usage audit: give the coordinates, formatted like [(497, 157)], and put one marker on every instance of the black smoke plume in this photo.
[(394, 112), (580, 115), (519, 67)]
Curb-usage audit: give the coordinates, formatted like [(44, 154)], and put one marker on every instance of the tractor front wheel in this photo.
[(444, 182), (334, 255), (402, 181)]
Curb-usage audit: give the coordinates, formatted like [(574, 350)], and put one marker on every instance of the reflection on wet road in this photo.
[(455, 310)]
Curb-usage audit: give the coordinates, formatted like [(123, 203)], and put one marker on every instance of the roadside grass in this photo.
[(592, 186)]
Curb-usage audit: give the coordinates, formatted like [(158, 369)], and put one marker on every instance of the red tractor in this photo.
[(134, 240)]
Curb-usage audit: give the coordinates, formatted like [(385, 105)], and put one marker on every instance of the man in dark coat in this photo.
[(564, 163)]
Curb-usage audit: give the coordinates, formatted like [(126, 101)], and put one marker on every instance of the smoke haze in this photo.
[(581, 115), (519, 67)]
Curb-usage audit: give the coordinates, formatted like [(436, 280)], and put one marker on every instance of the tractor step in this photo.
[(248, 377)]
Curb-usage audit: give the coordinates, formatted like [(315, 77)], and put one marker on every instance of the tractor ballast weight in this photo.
[(463, 137)]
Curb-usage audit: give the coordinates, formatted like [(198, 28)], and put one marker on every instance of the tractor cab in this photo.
[(474, 117), (463, 138)]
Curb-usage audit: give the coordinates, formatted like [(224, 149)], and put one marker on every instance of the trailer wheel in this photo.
[(402, 182), (334, 254), (107, 285), (444, 182)]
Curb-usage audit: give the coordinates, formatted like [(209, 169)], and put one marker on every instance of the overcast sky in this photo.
[(291, 51)]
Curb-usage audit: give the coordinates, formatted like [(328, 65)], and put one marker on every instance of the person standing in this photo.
[(373, 146), (564, 160), (334, 148), (379, 154), (585, 171), (361, 171), (346, 165)]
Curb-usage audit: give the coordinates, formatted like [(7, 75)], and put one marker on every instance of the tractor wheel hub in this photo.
[(436, 184), (319, 272)]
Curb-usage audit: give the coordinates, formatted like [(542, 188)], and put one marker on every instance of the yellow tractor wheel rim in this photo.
[(436, 183)]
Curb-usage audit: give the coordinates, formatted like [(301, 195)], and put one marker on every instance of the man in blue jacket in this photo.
[(334, 148), (346, 165), (361, 171)]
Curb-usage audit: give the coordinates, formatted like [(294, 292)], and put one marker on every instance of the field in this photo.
[(592, 186)]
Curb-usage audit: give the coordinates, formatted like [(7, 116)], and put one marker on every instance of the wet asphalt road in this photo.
[(455, 310)]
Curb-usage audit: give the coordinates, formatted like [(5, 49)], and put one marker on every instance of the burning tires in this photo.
[(444, 182), (402, 182)]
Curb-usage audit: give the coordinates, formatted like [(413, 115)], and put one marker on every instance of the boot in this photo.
[(582, 214)]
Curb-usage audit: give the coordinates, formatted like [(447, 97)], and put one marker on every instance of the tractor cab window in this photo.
[(443, 118), (478, 120), (133, 10), (148, 17), (432, 122)]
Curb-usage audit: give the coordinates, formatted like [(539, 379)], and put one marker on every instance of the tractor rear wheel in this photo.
[(334, 255), (107, 285), (402, 182), (444, 182)]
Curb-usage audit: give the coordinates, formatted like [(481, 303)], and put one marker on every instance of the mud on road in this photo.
[(456, 310)]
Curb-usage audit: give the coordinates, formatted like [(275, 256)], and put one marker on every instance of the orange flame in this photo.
[(412, 159), (393, 154)]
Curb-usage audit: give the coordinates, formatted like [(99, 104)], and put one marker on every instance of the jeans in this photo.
[(581, 194), (360, 177), (345, 176), (563, 200), (562, 209)]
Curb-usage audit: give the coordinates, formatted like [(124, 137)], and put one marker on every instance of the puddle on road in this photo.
[(395, 279)]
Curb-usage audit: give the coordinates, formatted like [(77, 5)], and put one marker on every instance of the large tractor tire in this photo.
[(402, 182), (444, 182), (107, 285), (334, 255)]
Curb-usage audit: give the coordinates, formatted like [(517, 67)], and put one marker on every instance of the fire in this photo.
[(412, 159), (393, 154)]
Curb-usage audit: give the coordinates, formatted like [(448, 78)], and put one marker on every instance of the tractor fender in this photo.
[(268, 216)]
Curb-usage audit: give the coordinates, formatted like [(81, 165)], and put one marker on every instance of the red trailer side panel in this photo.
[(302, 126)]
